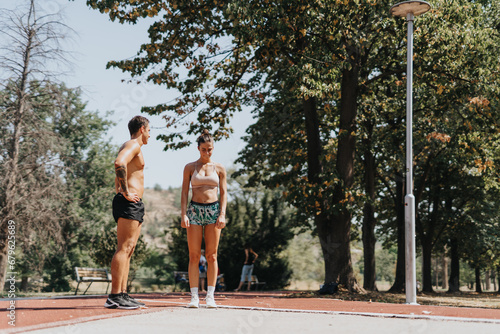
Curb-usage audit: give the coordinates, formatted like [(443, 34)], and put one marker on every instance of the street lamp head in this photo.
[(415, 7)]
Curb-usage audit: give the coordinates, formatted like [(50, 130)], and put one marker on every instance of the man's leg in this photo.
[(127, 232), (127, 269)]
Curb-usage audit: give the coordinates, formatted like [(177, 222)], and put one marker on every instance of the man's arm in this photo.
[(128, 151)]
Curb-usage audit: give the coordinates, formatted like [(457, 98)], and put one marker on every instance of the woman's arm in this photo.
[(221, 220), (255, 255), (184, 196), (246, 256)]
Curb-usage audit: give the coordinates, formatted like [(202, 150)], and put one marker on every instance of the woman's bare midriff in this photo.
[(204, 194)]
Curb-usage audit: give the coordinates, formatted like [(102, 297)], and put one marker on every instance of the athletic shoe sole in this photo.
[(135, 301), (112, 305), (209, 305)]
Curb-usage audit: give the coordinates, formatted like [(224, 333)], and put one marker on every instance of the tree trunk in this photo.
[(334, 236), (24, 284), (400, 277), (445, 271), (12, 175), (436, 272), (3, 261), (427, 264), (494, 279), (335, 231), (313, 140), (426, 238), (455, 267), (369, 241), (369, 220), (477, 271), (498, 278), (487, 281)]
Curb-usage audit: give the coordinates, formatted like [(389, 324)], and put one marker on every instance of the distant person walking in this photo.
[(203, 270), (247, 270), (204, 216), (128, 211)]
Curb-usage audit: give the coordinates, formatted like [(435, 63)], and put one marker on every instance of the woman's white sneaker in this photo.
[(210, 302), (195, 302)]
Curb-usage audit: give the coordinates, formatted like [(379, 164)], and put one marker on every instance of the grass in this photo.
[(465, 298), (460, 299)]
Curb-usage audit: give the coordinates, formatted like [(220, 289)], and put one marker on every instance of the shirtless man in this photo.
[(128, 211)]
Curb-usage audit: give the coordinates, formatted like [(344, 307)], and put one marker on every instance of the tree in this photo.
[(29, 160), (80, 188), (317, 47), (451, 103), (305, 67), (88, 181), (455, 91), (29, 156)]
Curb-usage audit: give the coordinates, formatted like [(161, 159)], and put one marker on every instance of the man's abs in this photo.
[(135, 183)]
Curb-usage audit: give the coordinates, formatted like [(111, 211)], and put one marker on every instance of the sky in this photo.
[(97, 40)]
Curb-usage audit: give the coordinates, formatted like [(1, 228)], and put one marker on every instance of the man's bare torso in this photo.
[(135, 175)]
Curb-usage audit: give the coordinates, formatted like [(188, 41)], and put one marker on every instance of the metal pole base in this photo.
[(411, 277)]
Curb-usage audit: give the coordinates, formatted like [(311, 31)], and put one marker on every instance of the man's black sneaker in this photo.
[(133, 300), (118, 301)]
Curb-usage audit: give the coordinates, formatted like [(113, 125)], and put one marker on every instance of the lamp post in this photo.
[(410, 9)]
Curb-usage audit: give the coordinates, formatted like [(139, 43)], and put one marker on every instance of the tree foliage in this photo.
[(326, 81), (29, 161)]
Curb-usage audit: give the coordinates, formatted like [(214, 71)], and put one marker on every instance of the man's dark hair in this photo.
[(136, 123)]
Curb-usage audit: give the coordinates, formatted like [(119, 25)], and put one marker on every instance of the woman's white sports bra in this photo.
[(211, 180)]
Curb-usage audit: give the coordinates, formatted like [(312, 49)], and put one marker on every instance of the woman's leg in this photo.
[(249, 277), (194, 236), (212, 236)]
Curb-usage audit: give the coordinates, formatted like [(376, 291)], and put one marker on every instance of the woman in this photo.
[(246, 271), (205, 215)]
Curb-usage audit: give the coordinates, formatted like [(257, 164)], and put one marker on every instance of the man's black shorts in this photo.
[(122, 208)]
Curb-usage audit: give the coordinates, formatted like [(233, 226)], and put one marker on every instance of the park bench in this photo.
[(180, 277), (255, 283), (91, 275)]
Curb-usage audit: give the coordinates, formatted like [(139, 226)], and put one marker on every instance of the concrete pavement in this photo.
[(229, 320)]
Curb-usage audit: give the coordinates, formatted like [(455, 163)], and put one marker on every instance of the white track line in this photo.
[(365, 314)]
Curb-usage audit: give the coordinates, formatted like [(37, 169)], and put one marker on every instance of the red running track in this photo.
[(38, 313)]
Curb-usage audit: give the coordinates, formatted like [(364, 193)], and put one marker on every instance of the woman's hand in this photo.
[(185, 221), (221, 222)]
